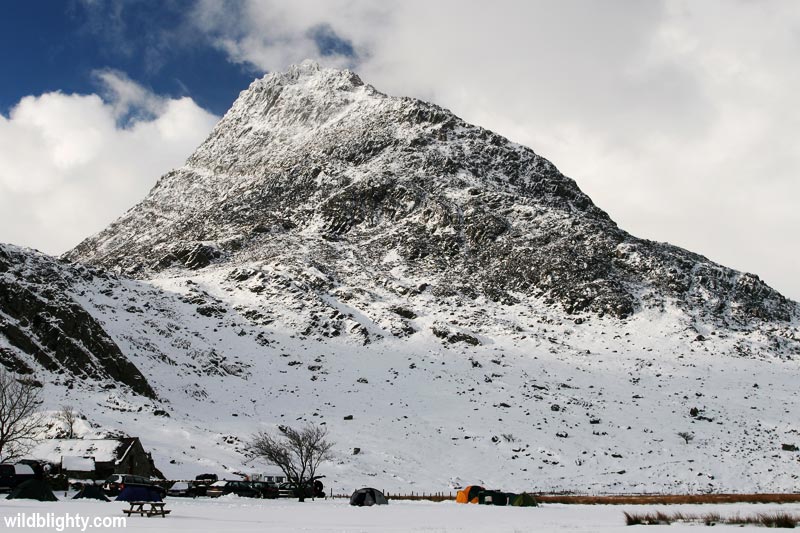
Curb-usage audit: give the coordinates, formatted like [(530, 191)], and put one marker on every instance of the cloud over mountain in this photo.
[(75, 162)]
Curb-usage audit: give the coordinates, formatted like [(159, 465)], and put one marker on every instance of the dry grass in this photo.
[(776, 519), (669, 499)]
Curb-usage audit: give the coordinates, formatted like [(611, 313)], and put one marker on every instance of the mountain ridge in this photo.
[(336, 157)]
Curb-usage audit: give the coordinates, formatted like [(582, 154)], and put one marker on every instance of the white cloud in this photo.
[(679, 118), (272, 34), (126, 96), (74, 163)]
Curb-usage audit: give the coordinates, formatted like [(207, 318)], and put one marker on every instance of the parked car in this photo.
[(266, 489), (114, 484), (202, 482), (12, 475), (200, 488), (182, 489), (240, 488), (313, 488)]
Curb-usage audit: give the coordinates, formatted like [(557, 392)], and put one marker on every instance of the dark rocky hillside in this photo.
[(46, 328)]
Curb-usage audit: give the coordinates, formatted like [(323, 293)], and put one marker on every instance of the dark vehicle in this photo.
[(202, 482), (312, 488), (116, 482), (200, 488), (13, 475), (182, 489), (240, 488), (266, 489)]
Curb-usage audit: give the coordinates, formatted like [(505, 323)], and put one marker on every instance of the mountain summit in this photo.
[(332, 253), (318, 157)]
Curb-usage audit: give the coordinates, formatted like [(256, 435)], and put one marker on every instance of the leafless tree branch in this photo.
[(19, 419)]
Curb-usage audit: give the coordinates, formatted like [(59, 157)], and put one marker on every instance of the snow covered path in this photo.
[(232, 514)]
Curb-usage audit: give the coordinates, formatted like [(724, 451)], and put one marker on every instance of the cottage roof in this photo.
[(77, 464), (101, 450)]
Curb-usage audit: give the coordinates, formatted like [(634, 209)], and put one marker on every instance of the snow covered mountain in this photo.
[(317, 166), (330, 251)]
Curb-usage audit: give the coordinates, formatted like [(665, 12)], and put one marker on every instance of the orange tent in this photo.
[(468, 494)]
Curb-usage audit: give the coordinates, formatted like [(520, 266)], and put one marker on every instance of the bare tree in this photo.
[(686, 436), (298, 453), (19, 419), (69, 416)]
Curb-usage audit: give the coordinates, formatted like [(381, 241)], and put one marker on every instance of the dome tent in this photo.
[(493, 497), (90, 491), (138, 493), (368, 496), (469, 494), (523, 500), (33, 489)]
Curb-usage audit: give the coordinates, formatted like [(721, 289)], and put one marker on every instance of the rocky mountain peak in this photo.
[(304, 96), (284, 105), (314, 166)]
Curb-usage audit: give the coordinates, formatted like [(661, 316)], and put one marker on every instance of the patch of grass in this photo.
[(667, 499), (652, 519), (776, 519), (784, 520), (632, 519)]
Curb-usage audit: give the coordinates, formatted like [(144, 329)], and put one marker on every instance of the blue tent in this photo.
[(139, 493)]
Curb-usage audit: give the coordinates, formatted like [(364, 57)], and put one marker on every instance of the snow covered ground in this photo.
[(242, 515)]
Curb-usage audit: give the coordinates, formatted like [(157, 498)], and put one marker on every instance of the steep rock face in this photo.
[(46, 328), (317, 157)]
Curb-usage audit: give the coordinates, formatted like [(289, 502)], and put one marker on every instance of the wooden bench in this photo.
[(155, 509)]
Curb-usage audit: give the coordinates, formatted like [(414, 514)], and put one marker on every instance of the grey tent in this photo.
[(367, 496), (91, 492), (33, 489)]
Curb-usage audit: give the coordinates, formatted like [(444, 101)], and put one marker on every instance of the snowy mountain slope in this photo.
[(542, 403), (332, 251)]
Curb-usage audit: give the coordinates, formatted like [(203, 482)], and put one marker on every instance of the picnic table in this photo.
[(155, 509)]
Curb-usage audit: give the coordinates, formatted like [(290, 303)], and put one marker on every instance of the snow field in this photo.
[(336, 516)]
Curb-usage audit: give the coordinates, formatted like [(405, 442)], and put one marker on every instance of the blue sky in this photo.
[(53, 46), (682, 127), (56, 46)]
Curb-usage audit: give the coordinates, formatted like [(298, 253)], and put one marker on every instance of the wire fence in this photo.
[(614, 499), (429, 496)]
